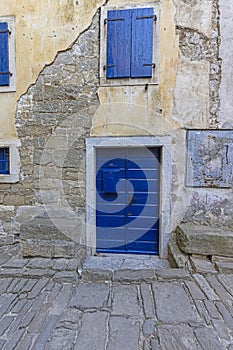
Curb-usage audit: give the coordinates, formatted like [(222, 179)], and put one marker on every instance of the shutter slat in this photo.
[(118, 44), (142, 42), (4, 55)]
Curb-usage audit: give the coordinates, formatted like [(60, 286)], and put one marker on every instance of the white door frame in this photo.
[(165, 183)]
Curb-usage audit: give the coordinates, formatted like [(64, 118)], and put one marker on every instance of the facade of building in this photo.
[(116, 123)]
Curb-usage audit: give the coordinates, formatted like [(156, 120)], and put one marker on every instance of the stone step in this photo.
[(223, 264), (176, 257), (204, 240), (128, 269), (225, 267), (202, 265)]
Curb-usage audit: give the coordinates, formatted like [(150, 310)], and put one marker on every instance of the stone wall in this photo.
[(203, 46), (66, 105), (53, 119), (213, 207)]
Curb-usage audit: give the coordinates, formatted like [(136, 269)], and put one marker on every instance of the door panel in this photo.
[(127, 200)]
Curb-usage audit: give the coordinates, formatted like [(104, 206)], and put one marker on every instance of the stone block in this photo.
[(6, 239), (202, 265), (173, 274), (205, 240), (90, 296), (178, 337), (15, 263), (125, 300), (176, 257), (173, 304), (93, 332), (147, 300), (192, 84), (134, 275), (5, 322), (194, 14), (205, 287), (224, 267), (195, 291), (124, 334), (149, 327), (222, 330), (97, 274), (207, 338), (41, 238), (218, 287), (65, 276)]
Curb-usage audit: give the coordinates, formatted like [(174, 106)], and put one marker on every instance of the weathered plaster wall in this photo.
[(226, 54), (42, 29), (66, 104), (213, 206), (122, 108), (53, 119)]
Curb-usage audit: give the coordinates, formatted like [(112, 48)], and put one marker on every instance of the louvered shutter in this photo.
[(4, 55), (142, 42), (118, 44)]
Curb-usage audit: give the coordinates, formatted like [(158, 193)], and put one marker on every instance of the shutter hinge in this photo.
[(113, 19), (149, 65), (146, 17), (6, 73), (5, 31), (109, 66)]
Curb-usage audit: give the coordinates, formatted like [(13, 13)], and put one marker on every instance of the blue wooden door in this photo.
[(127, 204)]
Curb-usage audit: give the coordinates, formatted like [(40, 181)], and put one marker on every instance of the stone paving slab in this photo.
[(124, 333), (90, 295), (171, 309), (92, 335), (178, 337), (173, 305), (125, 300), (224, 266)]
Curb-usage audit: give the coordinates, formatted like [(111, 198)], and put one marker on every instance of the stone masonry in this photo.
[(53, 119)]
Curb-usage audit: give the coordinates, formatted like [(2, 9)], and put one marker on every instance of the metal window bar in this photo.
[(6, 73), (106, 20), (154, 17), (5, 31), (4, 161)]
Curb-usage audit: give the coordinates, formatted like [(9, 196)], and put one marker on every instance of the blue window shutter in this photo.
[(142, 42), (118, 44), (4, 55), (4, 161)]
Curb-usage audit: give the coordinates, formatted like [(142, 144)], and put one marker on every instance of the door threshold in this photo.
[(125, 267)]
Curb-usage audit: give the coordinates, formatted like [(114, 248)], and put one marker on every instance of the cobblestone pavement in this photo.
[(44, 304)]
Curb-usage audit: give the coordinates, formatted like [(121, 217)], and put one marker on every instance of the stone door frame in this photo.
[(164, 142)]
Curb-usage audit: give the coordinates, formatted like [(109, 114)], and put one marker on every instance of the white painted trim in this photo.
[(103, 47), (14, 160), (166, 181), (11, 25)]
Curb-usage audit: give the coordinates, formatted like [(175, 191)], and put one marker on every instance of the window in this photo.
[(129, 45), (7, 54), (9, 161), (4, 161)]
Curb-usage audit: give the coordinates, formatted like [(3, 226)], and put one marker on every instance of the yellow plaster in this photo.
[(131, 110), (42, 28)]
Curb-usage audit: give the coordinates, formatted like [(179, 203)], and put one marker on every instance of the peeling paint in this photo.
[(42, 30)]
